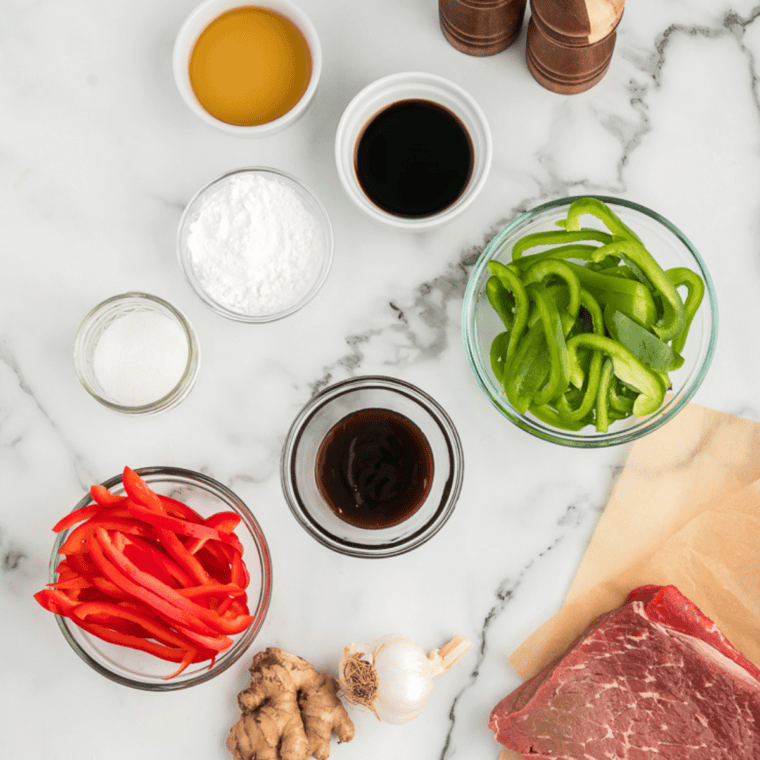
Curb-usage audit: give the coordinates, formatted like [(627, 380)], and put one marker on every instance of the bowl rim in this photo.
[(189, 375), (395, 85), (452, 488), (326, 263), (198, 20), (239, 647), (541, 430)]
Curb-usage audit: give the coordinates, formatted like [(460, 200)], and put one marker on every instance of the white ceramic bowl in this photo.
[(407, 86), (197, 22)]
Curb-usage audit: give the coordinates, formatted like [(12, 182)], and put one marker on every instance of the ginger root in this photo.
[(289, 711)]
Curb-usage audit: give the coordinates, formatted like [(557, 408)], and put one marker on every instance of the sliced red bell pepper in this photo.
[(76, 539), (196, 617), (99, 542), (72, 518), (179, 509), (178, 525), (176, 549), (140, 492), (224, 522), (104, 498), (147, 571)]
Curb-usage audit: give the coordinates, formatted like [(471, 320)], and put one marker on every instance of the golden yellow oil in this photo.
[(250, 66)]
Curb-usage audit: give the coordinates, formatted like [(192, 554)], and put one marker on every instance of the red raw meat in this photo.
[(654, 678)]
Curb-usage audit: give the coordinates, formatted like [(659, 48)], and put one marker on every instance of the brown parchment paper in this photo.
[(685, 511)]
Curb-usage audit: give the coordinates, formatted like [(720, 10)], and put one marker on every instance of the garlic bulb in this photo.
[(392, 676)]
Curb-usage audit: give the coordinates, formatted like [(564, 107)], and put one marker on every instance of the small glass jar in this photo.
[(125, 395)]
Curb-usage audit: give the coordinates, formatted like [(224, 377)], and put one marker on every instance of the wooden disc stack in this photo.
[(570, 42), (481, 27)]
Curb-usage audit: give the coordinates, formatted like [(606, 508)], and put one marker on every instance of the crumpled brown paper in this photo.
[(685, 511)]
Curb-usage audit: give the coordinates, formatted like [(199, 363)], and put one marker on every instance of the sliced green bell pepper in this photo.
[(559, 373), (695, 291), (628, 296), (671, 322), (626, 366), (511, 282), (647, 347)]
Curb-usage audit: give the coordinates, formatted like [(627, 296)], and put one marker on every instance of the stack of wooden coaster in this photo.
[(481, 27), (570, 42)]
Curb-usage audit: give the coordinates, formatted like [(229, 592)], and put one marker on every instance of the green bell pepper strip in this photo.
[(626, 366), (695, 291), (554, 331), (556, 419), (529, 369), (647, 347), (671, 321), (574, 251), (498, 355), (543, 270), (602, 400), (564, 407), (601, 211), (501, 301), (618, 400), (557, 238), (628, 296), (511, 282)]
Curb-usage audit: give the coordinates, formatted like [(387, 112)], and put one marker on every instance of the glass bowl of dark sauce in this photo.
[(372, 467)]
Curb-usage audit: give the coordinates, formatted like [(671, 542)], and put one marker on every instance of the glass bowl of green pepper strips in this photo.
[(160, 578), (590, 321)]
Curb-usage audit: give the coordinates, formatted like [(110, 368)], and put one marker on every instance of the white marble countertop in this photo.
[(98, 156)]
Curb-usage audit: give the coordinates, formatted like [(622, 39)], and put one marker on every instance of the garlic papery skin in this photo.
[(393, 676)]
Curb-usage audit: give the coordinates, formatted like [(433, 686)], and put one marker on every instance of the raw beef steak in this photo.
[(654, 678)]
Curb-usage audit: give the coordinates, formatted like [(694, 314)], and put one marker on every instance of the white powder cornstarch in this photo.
[(255, 247)]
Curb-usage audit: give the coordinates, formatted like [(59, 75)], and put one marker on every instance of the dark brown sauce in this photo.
[(374, 468), (414, 158)]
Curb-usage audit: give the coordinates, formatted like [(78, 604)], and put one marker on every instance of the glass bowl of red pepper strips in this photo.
[(160, 578), (589, 321)]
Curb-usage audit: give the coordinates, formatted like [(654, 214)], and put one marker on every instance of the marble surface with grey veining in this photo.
[(98, 157)]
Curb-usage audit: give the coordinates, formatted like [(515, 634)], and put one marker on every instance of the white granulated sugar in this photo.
[(255, 247), (139, 358)]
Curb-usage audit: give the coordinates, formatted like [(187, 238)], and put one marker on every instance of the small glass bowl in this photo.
[(100, 319), (140, 670), (310, 202), (318, 417), (670, 248)]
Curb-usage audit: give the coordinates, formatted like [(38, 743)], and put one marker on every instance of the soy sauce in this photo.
[(414, 158), (374, 468)]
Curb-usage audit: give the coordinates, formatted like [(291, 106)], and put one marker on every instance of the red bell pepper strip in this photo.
[(194, 614), (224, 522), (140, 492), (104, 498), (72, 518), (165, 564), (177, 525), (212, 589), (75, 541), (176, 549), (99, 542), (178, 509)]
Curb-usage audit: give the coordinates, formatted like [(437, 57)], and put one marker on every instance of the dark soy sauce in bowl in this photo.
[(374, 468), (414, 158)]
